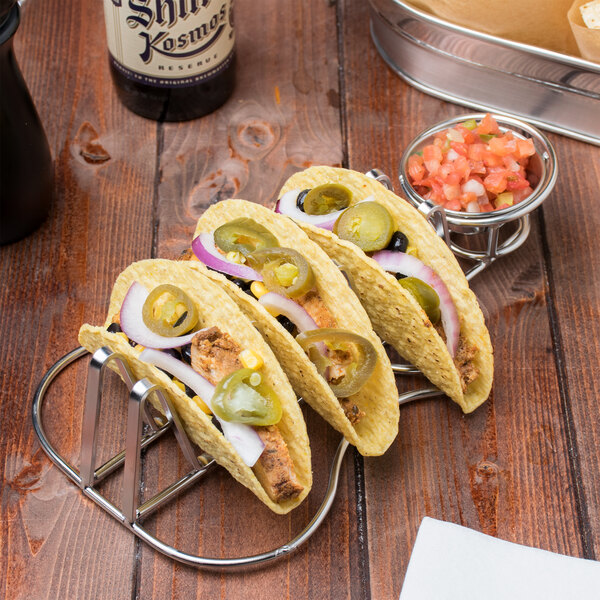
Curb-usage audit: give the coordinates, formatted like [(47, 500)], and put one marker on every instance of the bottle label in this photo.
[(170, 43)]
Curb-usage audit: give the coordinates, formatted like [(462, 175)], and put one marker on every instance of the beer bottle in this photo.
[(26, 168), (171, 60)]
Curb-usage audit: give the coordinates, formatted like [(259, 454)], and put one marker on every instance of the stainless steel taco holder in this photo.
[(145, 426)]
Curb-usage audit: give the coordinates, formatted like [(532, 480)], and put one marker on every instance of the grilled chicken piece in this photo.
[(353, 413), (274, 468), (313, 304), (463, 359), (214, 356), (464, 362)]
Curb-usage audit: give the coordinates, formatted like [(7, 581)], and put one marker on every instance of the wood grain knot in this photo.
[(214, 187), (251, 137), (86, 147)]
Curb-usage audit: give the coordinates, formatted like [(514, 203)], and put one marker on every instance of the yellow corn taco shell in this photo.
[(396, 316), (378, 398), (215, 308)]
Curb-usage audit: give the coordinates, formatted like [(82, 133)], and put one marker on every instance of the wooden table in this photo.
[(311, 89)]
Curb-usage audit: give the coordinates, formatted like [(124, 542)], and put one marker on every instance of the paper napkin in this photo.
[(450, 562)]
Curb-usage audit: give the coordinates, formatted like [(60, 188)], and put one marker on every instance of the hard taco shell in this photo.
[(379, 397), (215, 308), (396, 316)]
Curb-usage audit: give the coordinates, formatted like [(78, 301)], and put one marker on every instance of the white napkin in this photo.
[(451, 562)]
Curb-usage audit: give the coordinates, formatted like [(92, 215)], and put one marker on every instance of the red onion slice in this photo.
[(135, 329), (399, 262), (292, 310), (243, 438), (206, 251)]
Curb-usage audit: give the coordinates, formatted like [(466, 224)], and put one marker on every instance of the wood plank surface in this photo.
[(283, 116), (496, 470), (55, 543), (311, 89)]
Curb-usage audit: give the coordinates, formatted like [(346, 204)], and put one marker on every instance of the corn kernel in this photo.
[(251, 360), (255, 379), (258, 288), (179, 384), (139, 348), (236, 257), (202, 405), (412, 250)]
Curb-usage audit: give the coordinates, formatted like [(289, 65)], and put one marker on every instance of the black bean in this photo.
[(186, 353), (398, 242), (173, 352), (114, 328), (286, 324)]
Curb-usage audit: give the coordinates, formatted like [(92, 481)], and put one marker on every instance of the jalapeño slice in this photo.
[(327, 198), (244, 235), (425, 295), (169, 311), (358, 368), (237, 400), (368, 225), (284, 271)]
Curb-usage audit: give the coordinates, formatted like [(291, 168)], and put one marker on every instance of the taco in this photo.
[(302, 304), (182, 331), (406, 277)]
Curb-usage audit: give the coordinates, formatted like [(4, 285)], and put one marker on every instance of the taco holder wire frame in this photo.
[(131, 514)]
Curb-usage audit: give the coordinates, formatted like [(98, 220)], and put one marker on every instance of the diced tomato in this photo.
[(488, 125), (467, 134), (478, 167), (476, 151), (516, 181), (416, 170), (525, 148), (453, 205), (462, 168), (466, 199), (462, 149), (520, 195), (483, 154), (452, 192), (503, 146), (495, 182), (492, 160), (432, 152)]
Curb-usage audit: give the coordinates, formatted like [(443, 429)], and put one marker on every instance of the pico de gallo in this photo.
[(473, 167)]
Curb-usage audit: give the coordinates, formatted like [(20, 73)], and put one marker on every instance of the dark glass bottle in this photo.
[(26, 169), (171, 60)]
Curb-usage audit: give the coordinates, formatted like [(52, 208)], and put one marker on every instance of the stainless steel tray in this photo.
[(554, 91)]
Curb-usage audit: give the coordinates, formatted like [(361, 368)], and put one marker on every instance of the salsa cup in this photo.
[(541, 173)]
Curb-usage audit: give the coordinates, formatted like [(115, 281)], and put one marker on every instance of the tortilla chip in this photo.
[(590, 13), (396, 316), (215, 308), (378, 398)]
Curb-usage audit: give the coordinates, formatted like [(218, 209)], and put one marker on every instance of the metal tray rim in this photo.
[(542, 52), (448, 97)]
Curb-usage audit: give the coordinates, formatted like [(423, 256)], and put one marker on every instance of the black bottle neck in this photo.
[(9, 20)]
